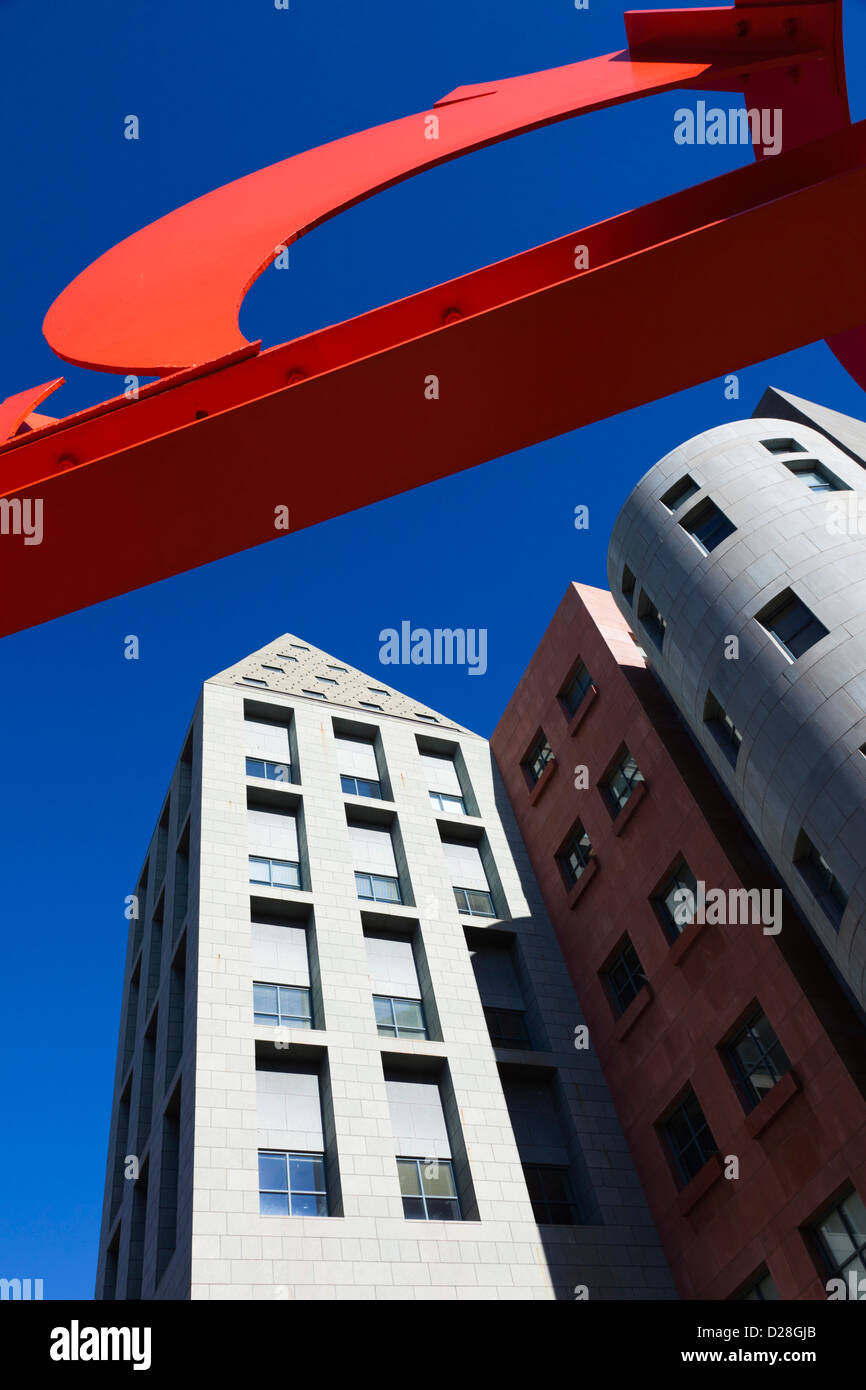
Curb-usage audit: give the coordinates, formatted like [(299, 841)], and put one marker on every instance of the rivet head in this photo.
[(452, 316), (295, 375), (742, 28)]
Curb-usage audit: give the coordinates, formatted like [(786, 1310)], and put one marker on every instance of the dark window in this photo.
[(536, 761), (550, 1193), (674, 907), (680, 493), (507, 1027), (292, 1184), (627, 582), (757, 1060), (689, 1138), (763, 1290), (625, 976), (841, 1236), (577, 689), (723, 728), (477, 902), (820, 878), (793, 625), (274, 772), (783, 446), (815, 476), (378, 888), (708, 526), (622, 782), (427, 1188), (576, 855), (286, 1006), (399, 1018), (652, 621), (360, 786)]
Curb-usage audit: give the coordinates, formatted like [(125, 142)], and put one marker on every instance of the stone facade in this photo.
[(226, 1087)]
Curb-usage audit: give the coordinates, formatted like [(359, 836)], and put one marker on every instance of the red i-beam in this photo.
[(206, 460)]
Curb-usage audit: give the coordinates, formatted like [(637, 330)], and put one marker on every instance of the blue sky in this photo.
[(222, 88)]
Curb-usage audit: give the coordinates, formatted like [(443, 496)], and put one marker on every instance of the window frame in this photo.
[(684, 1177), (633, 973), (289, 1192), (421, 1034), (381, 878), (741, 1073), (281, 863), (420, 1164)]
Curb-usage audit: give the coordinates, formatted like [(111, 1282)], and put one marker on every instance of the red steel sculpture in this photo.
[(748, 265)]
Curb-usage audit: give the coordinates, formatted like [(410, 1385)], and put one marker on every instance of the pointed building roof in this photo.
[(846, 432), (291, 666)]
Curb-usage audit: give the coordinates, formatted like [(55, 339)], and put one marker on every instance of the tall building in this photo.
[(740, 558), (685, 759), (351, 1063)]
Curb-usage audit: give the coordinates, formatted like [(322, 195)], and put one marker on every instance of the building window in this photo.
[(577, 689), (841, 1236), (399, 1018), (652, 621), (273, 772), (326, 680), (627, 583), (723, 728), (367, 704), (360, 786), (550, 1193), (576, 855), (278, 669), (430, 718), (625, 976), (675, 909), (251, 680), (793, 625), (816, 477), (622, 782), (476, 902), (427, 1188), (757, 1060), (762, 1290), (292, 1184), (376, 690), (681, 491), (707, 526), (537, 759), (276, 873), (821, 879), (286, 1006), (284, 656), (783, 446), (507, 1027), (689, 1138), (314, 694), (378, 888), (452, 805)]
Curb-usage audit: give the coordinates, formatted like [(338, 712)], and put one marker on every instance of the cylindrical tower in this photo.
[(739, 560)]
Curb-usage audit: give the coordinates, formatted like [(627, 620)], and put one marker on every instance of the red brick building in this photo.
[(719, 1040)]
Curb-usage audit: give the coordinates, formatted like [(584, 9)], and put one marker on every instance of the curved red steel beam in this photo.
[(168, 297), (200, 461)]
